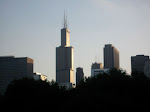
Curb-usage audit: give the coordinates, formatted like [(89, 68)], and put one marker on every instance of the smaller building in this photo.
[(138, 63), (97, 65), (95, 72), (79, 75), (39, 76), (147, 68), (96, 68)]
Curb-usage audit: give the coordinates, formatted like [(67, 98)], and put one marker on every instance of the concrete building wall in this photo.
[(138, 63)]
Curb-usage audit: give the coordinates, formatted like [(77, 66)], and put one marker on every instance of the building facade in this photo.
[(111, 57), (147, 68), (95, 72), (12, 68), (97, 65), (64, 59), (79, 75), (138, 63)]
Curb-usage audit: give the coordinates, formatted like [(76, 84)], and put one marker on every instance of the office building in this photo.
[(64, 59), (111, 57), (147, 68), (97, 68), (138, 63), (12, 68), (97, 65), (79, 75)]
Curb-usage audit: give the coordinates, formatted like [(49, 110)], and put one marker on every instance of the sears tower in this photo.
[(64, 59)]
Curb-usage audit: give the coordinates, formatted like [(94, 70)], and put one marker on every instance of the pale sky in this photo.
[(32, 28)]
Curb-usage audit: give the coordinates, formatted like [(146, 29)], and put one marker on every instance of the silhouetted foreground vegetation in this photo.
[(116, 90)]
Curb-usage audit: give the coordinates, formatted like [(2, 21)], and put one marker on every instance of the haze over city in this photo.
[(32, 28)]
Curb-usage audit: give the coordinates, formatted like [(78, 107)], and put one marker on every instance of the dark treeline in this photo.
[(106, 91)]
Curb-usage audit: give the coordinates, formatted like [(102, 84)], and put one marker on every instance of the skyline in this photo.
[(33, 29)]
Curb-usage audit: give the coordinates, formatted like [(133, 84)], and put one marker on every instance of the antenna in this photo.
[(62, 23), (68, 25), (66, 19)]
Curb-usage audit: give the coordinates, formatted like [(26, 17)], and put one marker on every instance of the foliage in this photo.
[(115, 88)]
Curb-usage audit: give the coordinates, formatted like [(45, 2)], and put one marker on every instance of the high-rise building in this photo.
[(79, 75), (111, 57), (138, 62), (12, 68), (147, 68), (64, 59)]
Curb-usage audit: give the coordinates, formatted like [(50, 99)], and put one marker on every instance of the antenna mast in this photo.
[(64, 20)]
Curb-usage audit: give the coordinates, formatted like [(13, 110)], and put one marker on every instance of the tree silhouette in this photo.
[(115, 89)]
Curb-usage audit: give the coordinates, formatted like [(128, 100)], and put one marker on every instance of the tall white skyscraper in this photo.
[(64, 59)]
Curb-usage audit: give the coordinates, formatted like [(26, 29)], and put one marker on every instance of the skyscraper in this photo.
[(138, 63), (111, 57), (64, 59), (79, 75), (12, 68)]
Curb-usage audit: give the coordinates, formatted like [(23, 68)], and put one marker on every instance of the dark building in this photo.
[(64, 59), (12, 68), (111, 57), (79, 75), (138, 63)]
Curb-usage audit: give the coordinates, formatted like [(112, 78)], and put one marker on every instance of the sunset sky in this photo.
[(32, 28)]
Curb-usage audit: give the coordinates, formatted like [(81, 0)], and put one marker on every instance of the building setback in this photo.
[(64, 59), (111, 57), (79, 75), (12, 68), (138, 63)]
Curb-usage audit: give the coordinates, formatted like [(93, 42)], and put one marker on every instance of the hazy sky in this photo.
[(31, 28)]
